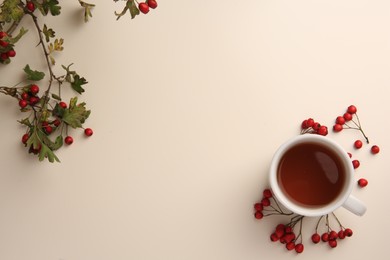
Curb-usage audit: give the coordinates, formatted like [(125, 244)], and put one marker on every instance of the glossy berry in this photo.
[(333, 235), (274, 237), (290, 246), (30, 6), (258, 214), (325, 237), (144, 8), (25, 96), (68, 140), (323, 130), (48, 129), (23, 103), (25, 138), (358, 144), (348, 232), (88, 131), (63, 104), (11, 53), (2, 34), (341, 234), (375, 149), (362, 182), (56, 122), (4, 56), (267, 193), (355, 164), (316, 238), (352, 109), (332, 243), (4, 44), (34, 89), (337, 128), (288, 229), (258, 207), (299, 248), (347, 116), (33, 100), (152, 4), (340, 120), (266, 202)]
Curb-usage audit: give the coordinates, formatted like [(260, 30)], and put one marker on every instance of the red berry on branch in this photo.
[(332, 243), (352, 109), (259, 215), (23, 103), (323, 130), (341, 234), (340, 120), (144, 8), (30, 6), (290, 246), (33, 100), (358, 144), (48, 129), (68, 140), (152, 4), (288, 229), (4, 56), (347, 116), (274, 237), (63, 104), (355, 164), (362, 182), (337, 128), (375, 149), (25, 138), (299, 248), (348, 232), (258, 207), (56, 122), (267, 193), (266, 202), (304, 124), (2, 34), (34, 89), (11, 53), (4, 43), (316, 238), (333, 235), (325, 237), (88, 131)]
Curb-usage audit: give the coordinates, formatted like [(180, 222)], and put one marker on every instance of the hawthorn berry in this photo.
[(33, 100), (11, 53), (323, 130), (341, 234), (348, 232), (88, 131), (332, 243), (4, 44), (347, 116), (274, 237), (34, 89), (56, 122), (258, 214), (358, 144), (337, 128), (69, 141), (375, 149), (288, 229), (2, 34), (23, 103), (333, 235), (325, 237), (48, 129), (25, 138), (316, 126), (4, 56), (352, 109), (152, 4), (267, 193), (144, 8), (266, 202), (316, 238), (258, 207), (290, 246), (340, 120), (355, 164), (299, 248), (30, 6), (25, 96), (362, 182), (63, 104)]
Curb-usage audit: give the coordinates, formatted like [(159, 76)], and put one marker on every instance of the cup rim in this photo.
[(299, 209)]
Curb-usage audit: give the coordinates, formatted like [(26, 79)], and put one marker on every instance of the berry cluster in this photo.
[(284, 233), (6, 48), (268, 206), (145, 7), (330, 236), (350, 120), (313, 127)]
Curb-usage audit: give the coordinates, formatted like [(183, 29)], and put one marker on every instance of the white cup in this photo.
[(344, 198)]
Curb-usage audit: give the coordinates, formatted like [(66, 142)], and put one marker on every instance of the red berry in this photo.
[(340, 120), (25, 96), (63, 104), (25, 138), (143, 7), (289, 237), (34, 89), (358, 144), (68, 140), (315, 238), (337, 128), (323, 130), (56, 122), (362, 182), (288, 229), (347, 116), (258, 214), (348, 232), (299, 248), (341, 234), (304, 124), (88, 132), (258, 206), (267, 193), (48, 129), (309, 122), (11, 53), (290, 246), (332, 243), (333, 235), (266, 202), (2, 34), (23, 103), (34, 100), (375, 149), (316, 126), (4, 44), (325, 237), (152, 4), (351, 109), (274, 237), (4, 56), (355, 164), (30, 6)]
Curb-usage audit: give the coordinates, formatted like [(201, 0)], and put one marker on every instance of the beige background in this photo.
[(188, 105)]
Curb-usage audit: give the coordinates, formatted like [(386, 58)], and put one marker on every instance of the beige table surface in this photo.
[(188, 105)]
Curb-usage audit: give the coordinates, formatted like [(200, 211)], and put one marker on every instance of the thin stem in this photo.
[(318, 223)]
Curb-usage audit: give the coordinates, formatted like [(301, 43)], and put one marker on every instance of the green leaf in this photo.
[(77, 83), (87, 10), (51, 6), (56, 97), (132, 7), (33, 74), (15, 39), (46, 152), (76, 114), (48, 32), (11, 10)]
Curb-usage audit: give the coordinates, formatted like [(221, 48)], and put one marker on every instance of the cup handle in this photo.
[(355, 206)]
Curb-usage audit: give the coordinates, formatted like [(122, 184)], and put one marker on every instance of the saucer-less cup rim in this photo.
[(342, 198)]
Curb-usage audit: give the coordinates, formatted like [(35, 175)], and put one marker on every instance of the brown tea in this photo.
[(311, 174)]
